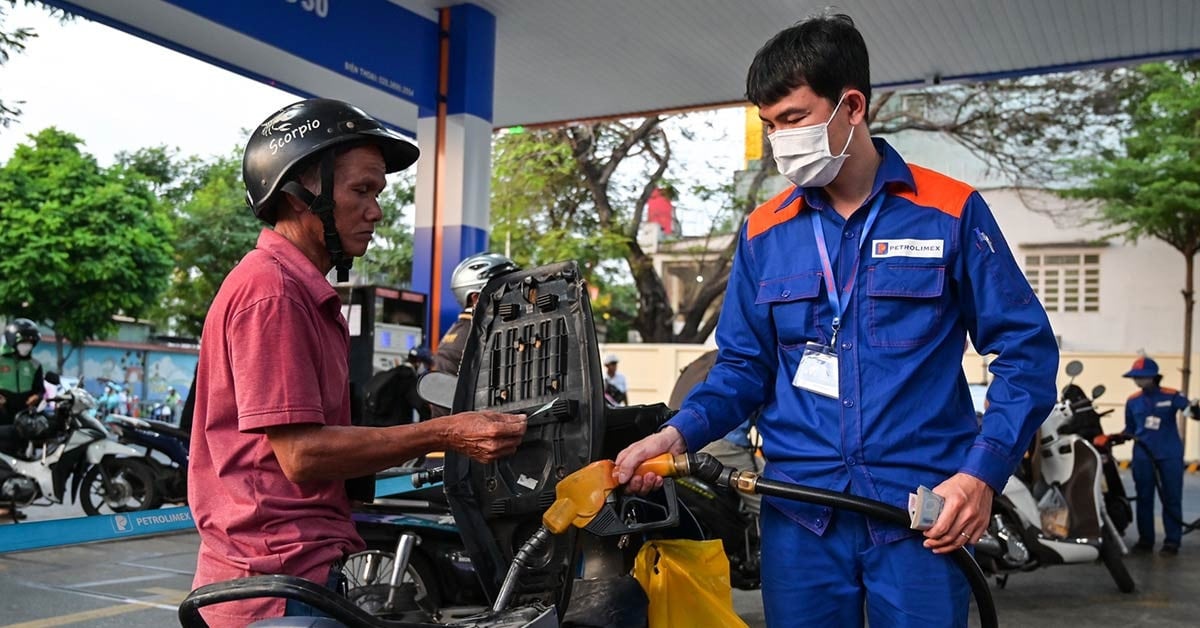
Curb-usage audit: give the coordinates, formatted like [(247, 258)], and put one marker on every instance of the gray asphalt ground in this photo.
[(139, 583)]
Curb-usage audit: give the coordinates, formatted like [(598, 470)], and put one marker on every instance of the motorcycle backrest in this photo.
[(532, 341)]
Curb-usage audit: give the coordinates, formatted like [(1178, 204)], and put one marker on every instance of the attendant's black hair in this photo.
[(826, 53)]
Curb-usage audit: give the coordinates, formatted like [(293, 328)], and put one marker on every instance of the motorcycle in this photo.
[(69, 443), (166, 448), (550, 537), (1055, 512)]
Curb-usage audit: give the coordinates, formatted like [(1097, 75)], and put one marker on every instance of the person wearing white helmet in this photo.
[(469, 277), (272, 443)]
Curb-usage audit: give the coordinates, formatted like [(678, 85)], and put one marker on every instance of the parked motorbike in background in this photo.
[(166, 448), (1054, 510), (68, 443), (1085, 422)]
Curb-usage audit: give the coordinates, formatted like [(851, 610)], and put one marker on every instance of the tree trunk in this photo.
[(655, 319), (1189, 305)]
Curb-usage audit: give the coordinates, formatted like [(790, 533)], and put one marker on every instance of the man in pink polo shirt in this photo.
[(272, 444)]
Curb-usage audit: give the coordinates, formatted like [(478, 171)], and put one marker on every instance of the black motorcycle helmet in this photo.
[(291, 139), (33, 426), (21, 330)]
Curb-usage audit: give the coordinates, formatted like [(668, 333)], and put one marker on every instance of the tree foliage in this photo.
[(1028, 127), (208, 208), (580, 191), (1150, 185), (81, 243)]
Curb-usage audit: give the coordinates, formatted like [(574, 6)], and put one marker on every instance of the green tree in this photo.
[(209, 209), (81, 243), (542, 212), (1149, 186), (580, 192)]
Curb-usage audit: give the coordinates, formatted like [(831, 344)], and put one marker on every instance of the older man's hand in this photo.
[(485, 436)]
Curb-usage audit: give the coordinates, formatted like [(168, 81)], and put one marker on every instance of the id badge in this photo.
[(1153, 422), (818, 370)]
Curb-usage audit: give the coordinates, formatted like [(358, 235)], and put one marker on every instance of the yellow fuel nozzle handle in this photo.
[(581, 495)]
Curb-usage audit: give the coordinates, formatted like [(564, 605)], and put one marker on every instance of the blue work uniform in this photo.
[(933, 268), (1150, 417)]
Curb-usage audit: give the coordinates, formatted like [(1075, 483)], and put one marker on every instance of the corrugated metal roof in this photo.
[(572, 59)]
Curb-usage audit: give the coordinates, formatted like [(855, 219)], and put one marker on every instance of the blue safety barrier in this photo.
[(42, 534), (19, 537)]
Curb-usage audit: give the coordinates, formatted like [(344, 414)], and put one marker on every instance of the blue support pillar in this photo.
[(454, 174)]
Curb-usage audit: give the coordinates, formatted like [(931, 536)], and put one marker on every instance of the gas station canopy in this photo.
[(561, 60)]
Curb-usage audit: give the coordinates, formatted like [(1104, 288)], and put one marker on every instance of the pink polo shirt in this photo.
[(274, 352)]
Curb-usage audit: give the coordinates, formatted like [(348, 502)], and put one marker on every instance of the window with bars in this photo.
[(1065, 282)]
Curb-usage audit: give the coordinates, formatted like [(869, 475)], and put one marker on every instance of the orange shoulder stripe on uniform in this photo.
[(937, 190), (1136, 395), (765, 216), (1169, 391)]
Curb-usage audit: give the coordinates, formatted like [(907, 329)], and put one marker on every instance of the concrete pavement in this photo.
[(138, 584)]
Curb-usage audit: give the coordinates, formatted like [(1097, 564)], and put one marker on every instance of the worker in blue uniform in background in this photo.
[(849, 302), (1150, 416)]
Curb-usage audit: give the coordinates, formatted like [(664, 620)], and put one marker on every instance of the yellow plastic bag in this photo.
[(687, 583)]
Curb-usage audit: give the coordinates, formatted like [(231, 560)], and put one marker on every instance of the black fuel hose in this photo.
[(705, 467)]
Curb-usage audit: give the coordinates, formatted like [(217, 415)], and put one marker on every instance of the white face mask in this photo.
[(803, 156), (24, 349)]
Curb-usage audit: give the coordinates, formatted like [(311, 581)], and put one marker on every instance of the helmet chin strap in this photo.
[(322, 205)]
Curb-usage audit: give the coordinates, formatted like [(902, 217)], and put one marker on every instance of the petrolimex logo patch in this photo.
[(908, 248)]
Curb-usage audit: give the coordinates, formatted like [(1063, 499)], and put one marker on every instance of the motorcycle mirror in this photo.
[(52, 377), (437, 388), (1074, 367), (1097, 391)]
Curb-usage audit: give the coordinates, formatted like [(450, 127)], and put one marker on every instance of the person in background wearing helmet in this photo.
[(21, 378), (21, 382), (615, 385), (272, 445), (1150, 417), (420, 359), (469, 277)]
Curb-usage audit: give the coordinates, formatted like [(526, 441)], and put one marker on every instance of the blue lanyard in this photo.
[(837, 304)]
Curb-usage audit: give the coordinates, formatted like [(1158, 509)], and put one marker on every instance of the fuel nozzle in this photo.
[(583, 500), (703, 466)]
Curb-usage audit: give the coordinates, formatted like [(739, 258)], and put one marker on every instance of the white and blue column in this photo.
[(454, 173)]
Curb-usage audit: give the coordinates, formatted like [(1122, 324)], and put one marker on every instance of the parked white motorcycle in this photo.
[(69, 443), (1052, 512)]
